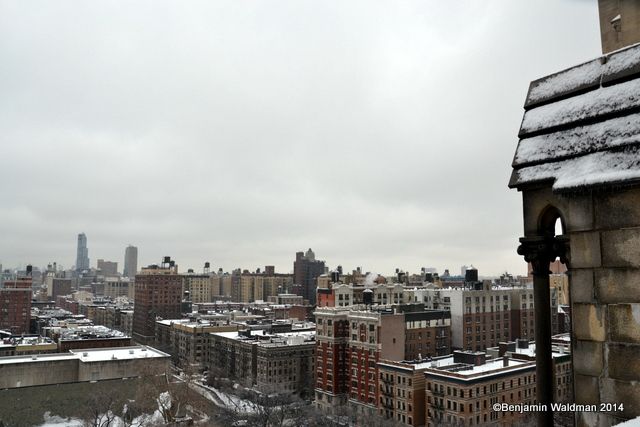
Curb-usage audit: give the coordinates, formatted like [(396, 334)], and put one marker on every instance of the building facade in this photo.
[(306, 269), (351, 341), (273, 362), (158, 294), (15, 306), (82, 253), (130, 261)]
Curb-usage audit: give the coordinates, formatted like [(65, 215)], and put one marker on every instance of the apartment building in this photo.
[(463, 388), (484, 316), (15, 305), (200, 287), (115, 287), (270, 361), (186, 340), (158, 294), (351, 341)]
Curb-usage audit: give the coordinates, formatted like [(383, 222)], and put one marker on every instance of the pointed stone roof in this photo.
[(581, 126)]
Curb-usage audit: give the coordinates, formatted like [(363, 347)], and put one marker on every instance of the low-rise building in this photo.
[(81, 365)]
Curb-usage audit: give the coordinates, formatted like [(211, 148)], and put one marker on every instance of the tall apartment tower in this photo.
[(82, 256), (130, 261), (158, 294), (306, 270)]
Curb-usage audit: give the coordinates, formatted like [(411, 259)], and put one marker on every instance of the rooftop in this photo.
[(581, 127), (89, 355), (266, 339)]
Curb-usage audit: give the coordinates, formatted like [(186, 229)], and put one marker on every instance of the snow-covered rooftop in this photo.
[(581, 127), (89, 355), (447, 367)]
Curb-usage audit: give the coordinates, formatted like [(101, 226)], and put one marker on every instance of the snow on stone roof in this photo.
[(581, 127)]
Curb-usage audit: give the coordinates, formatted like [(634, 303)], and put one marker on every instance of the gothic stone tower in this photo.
[(578, 161)]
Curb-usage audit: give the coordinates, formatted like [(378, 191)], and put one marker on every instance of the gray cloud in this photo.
[(378, 133)]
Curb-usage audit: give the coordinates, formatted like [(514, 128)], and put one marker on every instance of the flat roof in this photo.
[(123, 353), (89, 355)]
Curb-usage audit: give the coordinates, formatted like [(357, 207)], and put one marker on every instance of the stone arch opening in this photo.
[(551, 222)]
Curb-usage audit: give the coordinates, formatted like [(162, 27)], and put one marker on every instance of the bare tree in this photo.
[(99, 409)]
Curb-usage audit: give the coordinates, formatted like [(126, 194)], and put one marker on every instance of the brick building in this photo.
[(158, 294), (15, 305), (351, 341)]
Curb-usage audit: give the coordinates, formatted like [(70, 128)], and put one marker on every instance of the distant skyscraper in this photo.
[(82, 257), (306, 270), (130, 261)]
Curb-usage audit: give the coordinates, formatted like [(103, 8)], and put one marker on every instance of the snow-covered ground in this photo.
[(225, 400)]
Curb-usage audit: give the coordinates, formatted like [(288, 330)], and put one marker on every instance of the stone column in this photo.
[(540, 251)]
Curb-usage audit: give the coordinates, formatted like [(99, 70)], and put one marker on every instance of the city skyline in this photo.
[(388, 146)]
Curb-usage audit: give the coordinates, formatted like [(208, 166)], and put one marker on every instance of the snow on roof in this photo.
[(582, 139), (596, 168), (574, 78), (89, 355), (280, 338), (590, 105), (445, 367), (581, 126), (104, 354)]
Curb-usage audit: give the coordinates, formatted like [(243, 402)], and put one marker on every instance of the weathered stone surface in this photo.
[(576, 210), (614, 285), (589, 322), (587, 390), (624, 324), (581, 286), (621, 248), (614, 391), (592, 419), (579, 213), (585, 250), (617, 210), (588, 358), (623, 362)]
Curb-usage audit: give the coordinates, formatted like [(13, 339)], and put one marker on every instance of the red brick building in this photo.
[(352, 340), (15, 306), (158, 294)]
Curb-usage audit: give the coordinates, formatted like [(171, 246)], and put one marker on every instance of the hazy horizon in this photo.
[(380, 134)]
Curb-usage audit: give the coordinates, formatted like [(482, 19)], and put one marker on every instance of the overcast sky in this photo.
[(380, 134)]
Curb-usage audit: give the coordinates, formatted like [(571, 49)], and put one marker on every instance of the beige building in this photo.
[(81, 366), (561, 283), (251, 288), (201, 287), (115, 287)]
